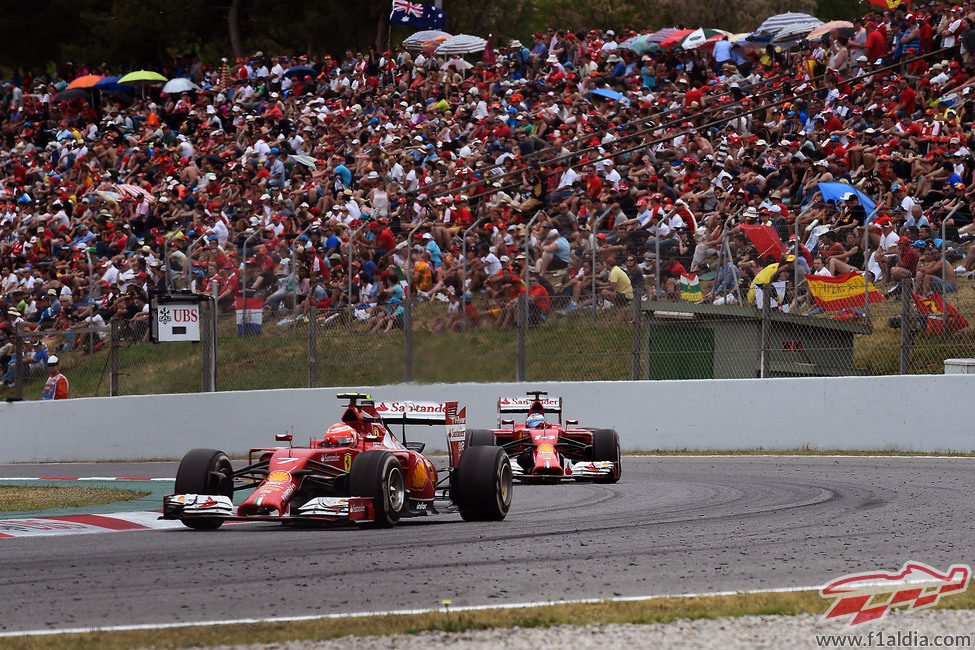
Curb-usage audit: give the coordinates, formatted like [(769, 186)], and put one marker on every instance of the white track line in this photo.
[(650, 454), (394, 612), (120, 479)]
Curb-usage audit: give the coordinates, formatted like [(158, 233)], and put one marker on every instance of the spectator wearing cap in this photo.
[(907, 259), (553, 252), (56, 386)]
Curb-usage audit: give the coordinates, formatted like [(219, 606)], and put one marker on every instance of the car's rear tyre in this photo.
[(204, 471), (378, 475), (479, 438), (606, 446), (482, 485)]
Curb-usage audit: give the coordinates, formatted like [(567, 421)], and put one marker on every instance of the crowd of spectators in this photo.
[(274, 182)]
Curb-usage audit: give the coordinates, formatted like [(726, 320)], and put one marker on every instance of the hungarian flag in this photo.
[(690, 288), (840, 291), (249, 320), (940, 315)]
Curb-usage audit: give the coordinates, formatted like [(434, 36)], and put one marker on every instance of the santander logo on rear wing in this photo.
[(522, 404), (869, 596)]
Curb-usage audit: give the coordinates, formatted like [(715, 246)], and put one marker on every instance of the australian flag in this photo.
[(416, 15)]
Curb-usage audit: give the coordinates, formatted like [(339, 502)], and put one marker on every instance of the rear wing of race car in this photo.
[(429, 413), (538, 402)]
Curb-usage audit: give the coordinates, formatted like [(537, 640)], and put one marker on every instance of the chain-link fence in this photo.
[(560, 327)]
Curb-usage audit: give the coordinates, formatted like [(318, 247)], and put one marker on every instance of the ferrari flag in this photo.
[(690, 288), (840, 291), (941, 316), (888, 4)]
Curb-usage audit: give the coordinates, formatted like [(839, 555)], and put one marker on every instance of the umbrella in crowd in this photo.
[(783, 27), (301, 71), (414, 42), (86, 81), (307, 161), (431, 46), (68, 94), (142, 77), (458, 63), (109, 83), (826, 28), (700, 36), (836, 192), (609, 94), (661, 34), (111, 197), (641, 44), (675, 38), (180, 85), (462, 44), (128, 189)]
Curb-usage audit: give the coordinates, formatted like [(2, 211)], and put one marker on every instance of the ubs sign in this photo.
[(178, 321)]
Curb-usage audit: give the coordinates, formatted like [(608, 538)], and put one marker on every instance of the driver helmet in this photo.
[(535, 421), (340, 435)]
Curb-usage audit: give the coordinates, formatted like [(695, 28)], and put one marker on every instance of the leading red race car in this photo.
[(544, 450), (358, 471)]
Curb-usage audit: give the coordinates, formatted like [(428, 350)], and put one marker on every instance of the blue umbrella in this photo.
[(789, 23), (641, 44), (836, 192), (301, 71), (111, 84), (609, 94)]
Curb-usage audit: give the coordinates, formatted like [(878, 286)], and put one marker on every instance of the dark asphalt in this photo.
[(672, 525)]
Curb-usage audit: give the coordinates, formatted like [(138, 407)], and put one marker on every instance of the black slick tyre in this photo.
[(204, 471), (378, 475), (479, 438), (606, 446), (482, 484)]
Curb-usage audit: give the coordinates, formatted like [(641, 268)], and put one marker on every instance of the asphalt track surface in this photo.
[(672, 525)]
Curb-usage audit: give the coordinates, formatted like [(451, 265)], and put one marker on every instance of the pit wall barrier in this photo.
[(923, 413)]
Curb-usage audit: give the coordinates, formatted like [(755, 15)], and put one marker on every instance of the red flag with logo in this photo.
[(941, 316)]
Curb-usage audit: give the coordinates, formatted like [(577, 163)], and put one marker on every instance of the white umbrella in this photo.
[(462, 44), (700, 36), (458, 63), (783, 27), (415, 41), (179, 85)]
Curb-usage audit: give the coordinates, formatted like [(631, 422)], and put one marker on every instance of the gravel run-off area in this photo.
[(915, 629)]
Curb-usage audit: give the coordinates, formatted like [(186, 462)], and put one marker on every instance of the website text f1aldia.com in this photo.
[(893, 639)]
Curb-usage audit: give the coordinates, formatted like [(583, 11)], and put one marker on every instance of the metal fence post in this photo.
[(113, 342), (408, 338), (767, 290), (522, 331), (637, 329), (19, 361), (312, 346), (906, 322)]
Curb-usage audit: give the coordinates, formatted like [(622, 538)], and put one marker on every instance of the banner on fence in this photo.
[(250, 315), (837, 292)]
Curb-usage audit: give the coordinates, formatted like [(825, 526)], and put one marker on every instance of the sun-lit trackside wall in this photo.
[(909, 413)]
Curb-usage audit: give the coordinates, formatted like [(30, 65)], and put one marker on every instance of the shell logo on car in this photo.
[(279, 476)]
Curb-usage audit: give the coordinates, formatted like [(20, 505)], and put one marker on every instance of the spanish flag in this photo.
[(840, 291), (690, 288)]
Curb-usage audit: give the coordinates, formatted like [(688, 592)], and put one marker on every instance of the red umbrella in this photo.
[(676, 37), (87, 81)]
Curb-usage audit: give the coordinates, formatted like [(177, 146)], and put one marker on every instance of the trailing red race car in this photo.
[(358, 471), (543, 450)]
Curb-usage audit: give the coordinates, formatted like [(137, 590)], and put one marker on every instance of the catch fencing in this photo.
[(563, 336)]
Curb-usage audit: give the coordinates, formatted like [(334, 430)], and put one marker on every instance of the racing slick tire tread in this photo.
[(480, 438), (371, 474), (606, 446), (483, 484), (198, 474)]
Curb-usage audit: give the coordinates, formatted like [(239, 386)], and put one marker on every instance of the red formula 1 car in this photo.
[(543, 449), (358, 471)]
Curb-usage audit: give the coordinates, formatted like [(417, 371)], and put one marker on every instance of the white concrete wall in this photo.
[(914, 413)]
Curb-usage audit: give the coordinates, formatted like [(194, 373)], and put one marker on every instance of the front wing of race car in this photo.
[(581, 469), (188, 506)]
